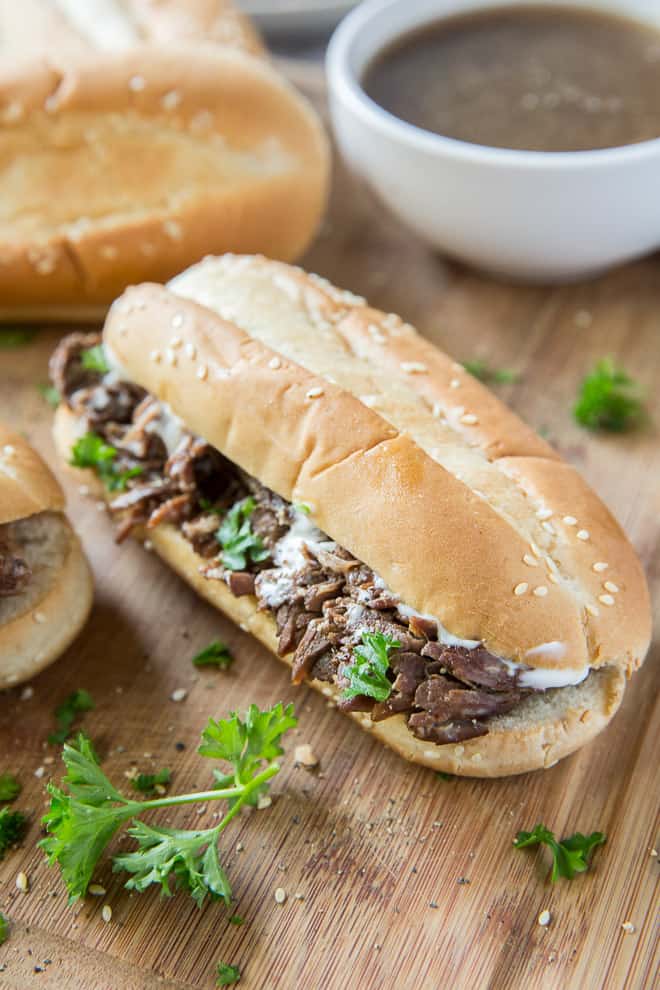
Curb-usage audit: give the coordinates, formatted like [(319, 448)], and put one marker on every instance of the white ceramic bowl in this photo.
[(544, 216)]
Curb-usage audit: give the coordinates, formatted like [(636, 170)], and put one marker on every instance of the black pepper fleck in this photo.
[(179, 747)]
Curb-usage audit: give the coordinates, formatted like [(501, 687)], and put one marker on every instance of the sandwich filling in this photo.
[(15, 573), (332, 613)]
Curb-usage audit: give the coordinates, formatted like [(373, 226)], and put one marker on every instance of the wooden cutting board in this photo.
[(395, 877)]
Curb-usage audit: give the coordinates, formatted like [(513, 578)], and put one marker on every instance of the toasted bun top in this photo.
[(27, 486), (405, 460)]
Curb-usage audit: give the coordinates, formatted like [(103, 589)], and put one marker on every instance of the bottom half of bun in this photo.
[(39, 623), (542, 729)]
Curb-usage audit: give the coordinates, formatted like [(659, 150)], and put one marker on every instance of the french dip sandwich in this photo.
[(45, 582), (362, 505)]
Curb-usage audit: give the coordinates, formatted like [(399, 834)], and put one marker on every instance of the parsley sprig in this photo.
[(216, 654), (569, 856), (227, 975), (495, 376), (86, 811), (77, 703), (4, 929), (93, 359), (13, 825), (91, 451), (10, 788), (368, 672), (609, 399), (239, 544)]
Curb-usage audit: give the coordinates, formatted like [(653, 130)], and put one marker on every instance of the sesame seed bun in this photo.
[(413, 466), (40, 622)]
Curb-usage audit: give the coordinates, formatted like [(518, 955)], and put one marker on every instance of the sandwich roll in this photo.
[(367, 509), (120, 167), (45, 581)]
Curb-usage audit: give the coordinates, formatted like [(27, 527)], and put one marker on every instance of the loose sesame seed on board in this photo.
[(315, 393)]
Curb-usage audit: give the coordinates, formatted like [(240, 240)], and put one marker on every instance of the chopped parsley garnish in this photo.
[(93, 359), (236, 920), (216, 654), (227, 975), (9, 787), (148, 782), (445, 776), (368, 673), (239, 543), (91, 451), (569, 856), (77, 703), (4, 929), (609, 399), (303, 507), (494, 376), (50, 394), (86, 811), (13, 825), (16, 337)]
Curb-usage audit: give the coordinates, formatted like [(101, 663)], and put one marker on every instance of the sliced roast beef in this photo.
[(65, 367), (15, 573), (426, 726), (476, 667)]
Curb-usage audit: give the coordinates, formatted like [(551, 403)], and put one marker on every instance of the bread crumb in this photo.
[(280, 895), (544, 918), (264, 802), (22, 882), (106, 913), (628, 927), (179, 695), (305, 756)]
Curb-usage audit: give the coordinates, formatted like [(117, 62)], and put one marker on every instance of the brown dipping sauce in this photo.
[(531, 77)]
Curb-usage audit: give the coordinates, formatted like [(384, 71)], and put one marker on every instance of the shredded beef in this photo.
[(445, 693), (15, 574)]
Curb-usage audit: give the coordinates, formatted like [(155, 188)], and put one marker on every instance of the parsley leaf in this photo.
[(236, 920), (569, 856), (93, 359), (9, 787), (608, 399), (91, 451), (494, 376), (50, 394), (227, 975), (216, 654), (147, 782), (86, 811), (79, 701), (368, 672), (4, 929), (239, 543), (13, 825), (17, 337)]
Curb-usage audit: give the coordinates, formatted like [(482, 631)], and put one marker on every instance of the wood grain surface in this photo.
[(395, 877)]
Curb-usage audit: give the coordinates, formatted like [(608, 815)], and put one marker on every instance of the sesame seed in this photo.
[(544, 918), (582, 534), (611, 586), (175, 343), (177, 321), (570, 520), (171, 357), (136, 84), (628, 927), (553, 577), (437, 411), (280, 895), (315, 393), (544, 513), (591, 609), (156, 357), (106, 913), (275, 363), (541, 591), (202, 372), (521, 588), (172, 229), (171, 100), (606, 599), (39, 772), (413, 367), (548, 527), (96, 890), (469, 419), (39, 618), (600, 566), (191, 351), (455, 383), (180, 694), (22, 882), (535, 550), (530, 561)]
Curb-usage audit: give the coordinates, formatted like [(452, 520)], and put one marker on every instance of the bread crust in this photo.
[(315, 442), (535, 737), (177, 152), (27, 486)]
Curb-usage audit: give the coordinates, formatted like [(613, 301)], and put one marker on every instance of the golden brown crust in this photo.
[(542, 731), (450, 531), (27, 485), (176, 152)]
